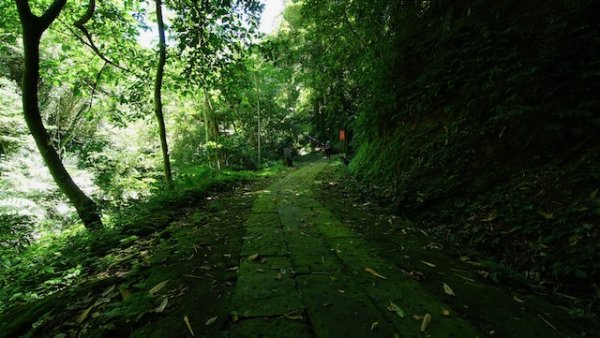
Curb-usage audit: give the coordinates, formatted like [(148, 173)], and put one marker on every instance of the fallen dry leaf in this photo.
[(547, 215), (518, 300), (252, 257), (295, 315), (187, 323), (374, 273), (158, 287), (374, 326), (162, 305), (83, 315), (425, 322), (448, 290), (395, 308), (211, 321), (429, 264)]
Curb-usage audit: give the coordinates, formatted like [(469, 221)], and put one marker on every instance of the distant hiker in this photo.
[(328, 150), (287, 155)]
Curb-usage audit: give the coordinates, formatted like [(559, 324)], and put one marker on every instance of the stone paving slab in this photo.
[(270, 327), (323, 277), (338, 308), (264, 241), (266, 288)]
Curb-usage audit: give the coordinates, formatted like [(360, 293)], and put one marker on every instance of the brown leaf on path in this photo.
[(374, 273), (158, 287), (448, 290), (211, 321), (187, 323), (425, 322), (83, 315), (429, 264)]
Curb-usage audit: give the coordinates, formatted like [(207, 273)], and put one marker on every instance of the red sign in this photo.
[(342, 134)]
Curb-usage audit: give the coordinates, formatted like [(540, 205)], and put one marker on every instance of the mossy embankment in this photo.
[(492, 139)]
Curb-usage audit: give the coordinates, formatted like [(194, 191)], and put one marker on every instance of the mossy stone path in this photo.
[(304, 273)]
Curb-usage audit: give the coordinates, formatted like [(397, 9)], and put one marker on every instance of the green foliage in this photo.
[(478, 120)]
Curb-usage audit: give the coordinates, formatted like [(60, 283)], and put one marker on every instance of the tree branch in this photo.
[(51, 13), (80, 24), (87, 16)]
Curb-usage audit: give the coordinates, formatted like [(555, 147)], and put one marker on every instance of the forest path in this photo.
[(313, 265)]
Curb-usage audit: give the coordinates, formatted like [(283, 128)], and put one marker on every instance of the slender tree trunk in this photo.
[(33, 28), (258, 123), (162, 59), (206, 133), (212, 127)]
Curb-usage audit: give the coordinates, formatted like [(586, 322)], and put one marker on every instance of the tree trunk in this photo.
[(258, 122), (33, 28), (162, 59), (212, 127)]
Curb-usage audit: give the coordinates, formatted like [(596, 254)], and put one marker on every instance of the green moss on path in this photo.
[(303, 257)]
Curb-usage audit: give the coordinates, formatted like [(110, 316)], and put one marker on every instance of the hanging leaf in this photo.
[(448, 290), (425, 322), (374, 273), (158, 287), (187, 323)]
